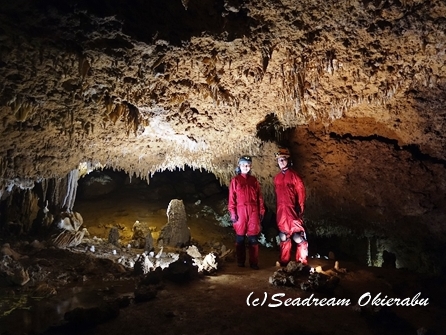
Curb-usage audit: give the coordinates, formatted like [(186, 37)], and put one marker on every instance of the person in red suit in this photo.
[(290, 200), (247, 209)]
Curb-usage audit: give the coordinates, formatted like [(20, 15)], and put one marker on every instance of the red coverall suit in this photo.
[(290, 196), (246, 206)]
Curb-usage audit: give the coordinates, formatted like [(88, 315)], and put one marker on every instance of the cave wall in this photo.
[(355, 88), (373, 195)]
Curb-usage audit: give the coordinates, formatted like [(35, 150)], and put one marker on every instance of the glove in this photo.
[(299, 213), (234, 218)]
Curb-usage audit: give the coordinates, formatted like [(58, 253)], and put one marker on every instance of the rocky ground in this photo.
[(80, 291), (88, 295)]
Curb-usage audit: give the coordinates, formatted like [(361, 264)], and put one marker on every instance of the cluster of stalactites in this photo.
[(8, 185), (222, 165), (61, 192), (58, 192)]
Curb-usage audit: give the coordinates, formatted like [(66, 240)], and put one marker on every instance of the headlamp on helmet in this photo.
[(283, 152), (245, 159)]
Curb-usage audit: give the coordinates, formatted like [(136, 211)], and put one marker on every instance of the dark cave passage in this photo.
[(108, 198), (188, 185)]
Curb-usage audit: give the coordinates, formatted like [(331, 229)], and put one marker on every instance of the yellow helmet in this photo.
[(283, 152)]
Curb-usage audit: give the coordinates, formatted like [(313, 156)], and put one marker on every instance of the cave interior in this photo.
[(111, 109)]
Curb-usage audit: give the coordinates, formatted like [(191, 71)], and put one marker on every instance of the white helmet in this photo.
[(245, 159)]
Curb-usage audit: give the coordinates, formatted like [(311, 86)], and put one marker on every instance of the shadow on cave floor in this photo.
[(223, 303)]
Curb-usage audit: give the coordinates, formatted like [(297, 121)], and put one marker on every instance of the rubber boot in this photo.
[(254, 256), (240, 251), (302, 252), (285, 252)]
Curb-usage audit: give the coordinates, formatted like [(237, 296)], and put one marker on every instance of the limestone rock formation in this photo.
[(356, 90), (142, 236), (12, 272), (68, 230), (176, 232), (113, 236)]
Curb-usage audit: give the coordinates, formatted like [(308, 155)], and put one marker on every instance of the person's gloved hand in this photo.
[(297, 209), (234, 218)]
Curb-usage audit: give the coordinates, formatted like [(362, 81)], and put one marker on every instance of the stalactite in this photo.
[(29, 202), (44, 184), (71, 189), (55, 191)]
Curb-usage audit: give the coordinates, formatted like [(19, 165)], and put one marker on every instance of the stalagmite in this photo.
[(175, 232)]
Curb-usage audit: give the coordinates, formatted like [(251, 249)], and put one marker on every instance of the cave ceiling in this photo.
[(146, 86)]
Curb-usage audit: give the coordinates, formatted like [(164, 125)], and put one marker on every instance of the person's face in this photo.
[(283, 162), (245, 167)]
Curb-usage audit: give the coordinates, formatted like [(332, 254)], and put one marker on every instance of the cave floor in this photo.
[(222, 303), (219, 305)]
